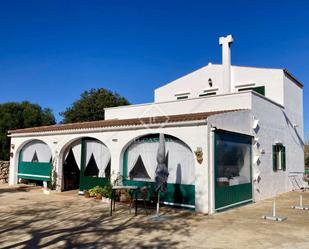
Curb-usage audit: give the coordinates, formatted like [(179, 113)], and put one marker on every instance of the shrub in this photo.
[(105, 191)]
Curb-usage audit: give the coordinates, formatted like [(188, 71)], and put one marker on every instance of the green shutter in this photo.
[(260, 90), (283, 161), (275, 158)]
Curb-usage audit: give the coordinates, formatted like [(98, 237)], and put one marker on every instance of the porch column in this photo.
[(57, 165), (116, 160), (13, 169)]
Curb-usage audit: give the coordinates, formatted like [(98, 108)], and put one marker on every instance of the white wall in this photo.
[(197, 81), (293, 104), (240, 100), (240, 122), (273, 127), (272, 79)]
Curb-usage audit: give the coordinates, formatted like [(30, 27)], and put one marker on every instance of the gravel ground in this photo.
[(31, 219)]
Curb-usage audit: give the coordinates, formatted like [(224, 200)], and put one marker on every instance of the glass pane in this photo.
[(233, 162)]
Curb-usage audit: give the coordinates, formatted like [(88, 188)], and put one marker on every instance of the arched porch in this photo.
[(35, 161), (84, 163), (139, 165)]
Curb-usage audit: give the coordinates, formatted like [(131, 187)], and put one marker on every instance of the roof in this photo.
[(121, 122)]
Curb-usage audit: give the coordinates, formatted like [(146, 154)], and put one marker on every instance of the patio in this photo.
[(30, 219)]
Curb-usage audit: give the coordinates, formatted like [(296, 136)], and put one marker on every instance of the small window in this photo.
[(207, 94), (279, 162), (259, 89), (182, 97)]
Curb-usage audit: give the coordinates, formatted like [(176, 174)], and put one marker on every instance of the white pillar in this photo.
[(226, 42), (58, 164), (13, 170), (211, 169), (116, 160)]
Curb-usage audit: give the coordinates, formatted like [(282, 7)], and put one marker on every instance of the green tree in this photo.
[(90, 106), (14, 115)]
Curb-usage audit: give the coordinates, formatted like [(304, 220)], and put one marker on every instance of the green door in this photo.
[(233, 181)]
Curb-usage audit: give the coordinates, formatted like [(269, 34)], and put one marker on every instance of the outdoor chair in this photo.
[(142, 197), (298, 181)]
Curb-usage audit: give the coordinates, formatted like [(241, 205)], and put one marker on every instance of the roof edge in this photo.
[(121, 122), (293, 78)]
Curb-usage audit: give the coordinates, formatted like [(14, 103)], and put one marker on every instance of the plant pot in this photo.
[(86, 194), (98, 196)]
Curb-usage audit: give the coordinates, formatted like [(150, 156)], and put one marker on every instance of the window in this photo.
[(207, 94), (233, 160), (182, 97), (279, 162), (259, 89)]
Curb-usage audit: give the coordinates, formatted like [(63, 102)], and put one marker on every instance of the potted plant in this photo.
[(98, 196), (96, 192), (92, 192), (107, 193)]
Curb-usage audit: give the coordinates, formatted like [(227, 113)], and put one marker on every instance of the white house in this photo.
[(233, 134)]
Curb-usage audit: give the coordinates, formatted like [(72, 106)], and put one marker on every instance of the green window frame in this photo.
[(259, 89), (279, 158)]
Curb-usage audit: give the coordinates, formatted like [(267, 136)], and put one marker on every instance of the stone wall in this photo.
[(4, 171)]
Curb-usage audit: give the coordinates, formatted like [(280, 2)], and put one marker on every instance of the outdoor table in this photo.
[(135, 188)]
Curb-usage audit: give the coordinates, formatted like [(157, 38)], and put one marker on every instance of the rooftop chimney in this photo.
[(226, 42)]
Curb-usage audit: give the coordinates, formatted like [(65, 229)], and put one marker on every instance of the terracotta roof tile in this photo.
[(121, 122)]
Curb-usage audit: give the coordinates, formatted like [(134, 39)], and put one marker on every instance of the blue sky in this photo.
[(51, 51)]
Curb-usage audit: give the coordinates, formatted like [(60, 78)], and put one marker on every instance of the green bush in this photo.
[(105, 191)]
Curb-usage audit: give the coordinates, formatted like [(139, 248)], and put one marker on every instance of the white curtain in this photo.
[(245, 162), (40, 148), (148, 153), (180, 163), (180, 160), (100, 153), (77, 149)]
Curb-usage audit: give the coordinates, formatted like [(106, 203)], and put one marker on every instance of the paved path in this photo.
[(30, 219)]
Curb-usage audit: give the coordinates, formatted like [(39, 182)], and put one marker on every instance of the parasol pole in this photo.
[(158, 203)]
